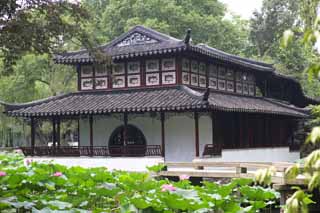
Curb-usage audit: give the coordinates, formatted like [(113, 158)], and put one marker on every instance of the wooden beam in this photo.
[(196, 128), (33, 134), (91, 134), (163, 141)]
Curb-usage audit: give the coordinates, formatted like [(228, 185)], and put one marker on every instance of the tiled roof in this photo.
[(175, 98), (165, 44)]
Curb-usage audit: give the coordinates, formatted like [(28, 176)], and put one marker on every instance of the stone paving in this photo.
[(118, 163)]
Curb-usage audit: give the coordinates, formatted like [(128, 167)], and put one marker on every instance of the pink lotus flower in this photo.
[(168, 187), (57, 174), (184, 177), (2, 173), (28, 162)]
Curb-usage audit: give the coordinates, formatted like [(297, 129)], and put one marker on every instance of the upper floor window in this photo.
[(134, 74), (86, 77), (118, 75), (168, 71), (101, 76), (194, 73), (152, 72), (245, 83)]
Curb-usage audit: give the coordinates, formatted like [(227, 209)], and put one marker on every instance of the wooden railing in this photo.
[(212, 150), (114, 151), (200, 168), (216, 149)]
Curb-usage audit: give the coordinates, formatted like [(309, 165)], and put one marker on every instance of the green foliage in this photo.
[(157, 168), (38, 26), (269, 33), (264, 176), (204, 17), (298, 202), (42, 187)]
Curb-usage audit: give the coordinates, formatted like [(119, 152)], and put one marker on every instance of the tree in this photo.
[(206, 18), (38, 26), (266, 30), (267, 26)]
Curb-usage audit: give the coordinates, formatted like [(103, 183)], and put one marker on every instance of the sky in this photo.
[(244, 8)]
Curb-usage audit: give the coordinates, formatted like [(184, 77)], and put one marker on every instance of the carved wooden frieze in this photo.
[(135, 39)]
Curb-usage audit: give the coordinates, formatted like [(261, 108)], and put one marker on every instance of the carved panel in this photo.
[(133, 67), (133, 80), (118, 82), (202, 68), (194, 79), (136, 39), (168, 78), (194, 67), (202, 81), (185, 78), (118, 69), (152, 79), (86, 84), (168, 64), (185, 65), (101, 83), (213, 83), (86, 71), (152, 65)]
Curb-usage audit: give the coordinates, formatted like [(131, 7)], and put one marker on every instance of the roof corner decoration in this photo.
[(187, 38), (206, 95), (136, 38)]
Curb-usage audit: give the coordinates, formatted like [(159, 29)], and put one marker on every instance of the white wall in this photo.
[(150, 127), (179, 138), (280, 154), (84, 132), (179, 132), (103, 126), (205, 131)]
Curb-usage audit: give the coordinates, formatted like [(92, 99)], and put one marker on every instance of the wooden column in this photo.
[(54, 134), (212, 127), (163, 140), (125, 129), (33, 134), (58, 132), (91, 134), (196, 128), (79, 132)]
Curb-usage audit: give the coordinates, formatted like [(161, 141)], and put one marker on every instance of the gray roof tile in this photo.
[(175, 98)]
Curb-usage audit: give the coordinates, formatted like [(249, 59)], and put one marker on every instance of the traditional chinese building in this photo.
[(168, 97)]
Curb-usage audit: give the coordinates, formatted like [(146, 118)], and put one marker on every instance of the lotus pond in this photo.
[(27, 186)]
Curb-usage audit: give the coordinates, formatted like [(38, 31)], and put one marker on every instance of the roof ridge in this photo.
[(194, 93), (274, 101), (14, 106), (235, 56), (144, 30)]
